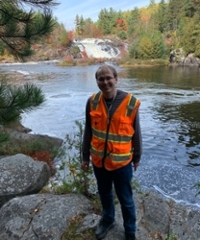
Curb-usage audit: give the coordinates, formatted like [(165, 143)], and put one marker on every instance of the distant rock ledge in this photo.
[(178, 57)]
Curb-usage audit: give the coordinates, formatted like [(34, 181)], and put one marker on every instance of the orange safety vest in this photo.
[(112, 139)]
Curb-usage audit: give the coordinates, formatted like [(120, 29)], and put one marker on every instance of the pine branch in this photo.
[(41, 3), (19, 49), (19, 28), (34, 3), (15, 101), (10, 14)]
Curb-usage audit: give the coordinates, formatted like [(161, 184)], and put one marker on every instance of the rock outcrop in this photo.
[(46, 216), (42, 216), (25, 214), (20, 133), (178, 57), (20, 175)]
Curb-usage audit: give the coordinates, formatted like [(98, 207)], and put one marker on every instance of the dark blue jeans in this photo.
[(121, 178)]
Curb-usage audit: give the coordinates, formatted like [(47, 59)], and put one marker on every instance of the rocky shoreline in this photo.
[(177, 57), (25, 213)]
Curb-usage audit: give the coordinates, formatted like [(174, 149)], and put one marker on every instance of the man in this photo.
[(112, 139)]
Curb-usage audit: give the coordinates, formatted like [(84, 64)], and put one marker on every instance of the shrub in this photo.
[(69, 176)]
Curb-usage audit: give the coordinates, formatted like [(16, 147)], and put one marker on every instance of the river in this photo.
[(169, 115)]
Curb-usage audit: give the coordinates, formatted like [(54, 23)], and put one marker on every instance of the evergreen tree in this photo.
[(16, 100), (152, 3), (162, 16), (133, 21), (104, 22), (154, 20), (63, 36), (190, 7), (88, 26), (77, 24), (145, 48), (150, 46), (114, 16), (107, 21), (80, 23), (174, 13), (158, 45), (18, 29), (190, 39)]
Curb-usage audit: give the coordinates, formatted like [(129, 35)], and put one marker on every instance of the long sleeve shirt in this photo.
[(136, 139)]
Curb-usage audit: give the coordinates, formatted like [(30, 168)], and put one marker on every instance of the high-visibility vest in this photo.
[(111, 144)]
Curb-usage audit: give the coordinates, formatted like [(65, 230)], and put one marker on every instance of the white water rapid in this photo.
[(98, 48)]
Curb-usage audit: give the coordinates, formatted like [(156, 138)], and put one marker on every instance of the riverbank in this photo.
[(84, 52), (69, 61)]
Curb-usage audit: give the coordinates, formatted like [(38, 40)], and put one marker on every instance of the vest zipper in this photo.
[(106, 141), (107, 130)]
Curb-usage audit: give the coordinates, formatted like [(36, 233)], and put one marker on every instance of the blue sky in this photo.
[(67, 10)]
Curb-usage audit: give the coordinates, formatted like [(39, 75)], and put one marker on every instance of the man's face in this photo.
[(106, 82)]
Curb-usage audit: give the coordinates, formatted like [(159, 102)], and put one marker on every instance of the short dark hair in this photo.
[(105, 66)]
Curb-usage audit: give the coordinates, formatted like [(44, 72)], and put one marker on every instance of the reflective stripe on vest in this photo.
[(95, 100), (111, 137), (114, 157), (130, 107)]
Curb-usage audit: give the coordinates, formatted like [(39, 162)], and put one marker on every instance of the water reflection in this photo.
[(183, 122), (172, 122), (183, 77)]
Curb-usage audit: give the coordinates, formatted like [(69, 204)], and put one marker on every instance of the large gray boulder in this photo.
[(41, 216), (157, 218), (21, 175), (46, 216), (162, 217)]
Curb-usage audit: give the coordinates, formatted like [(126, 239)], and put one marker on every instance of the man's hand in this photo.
[(135, 165), (85, 166)]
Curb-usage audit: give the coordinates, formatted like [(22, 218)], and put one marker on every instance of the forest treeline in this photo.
[(151, 32)]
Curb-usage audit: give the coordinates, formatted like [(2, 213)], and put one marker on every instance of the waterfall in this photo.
[(98, 48)]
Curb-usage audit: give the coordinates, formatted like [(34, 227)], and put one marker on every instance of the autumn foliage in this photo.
[(43, 156)]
